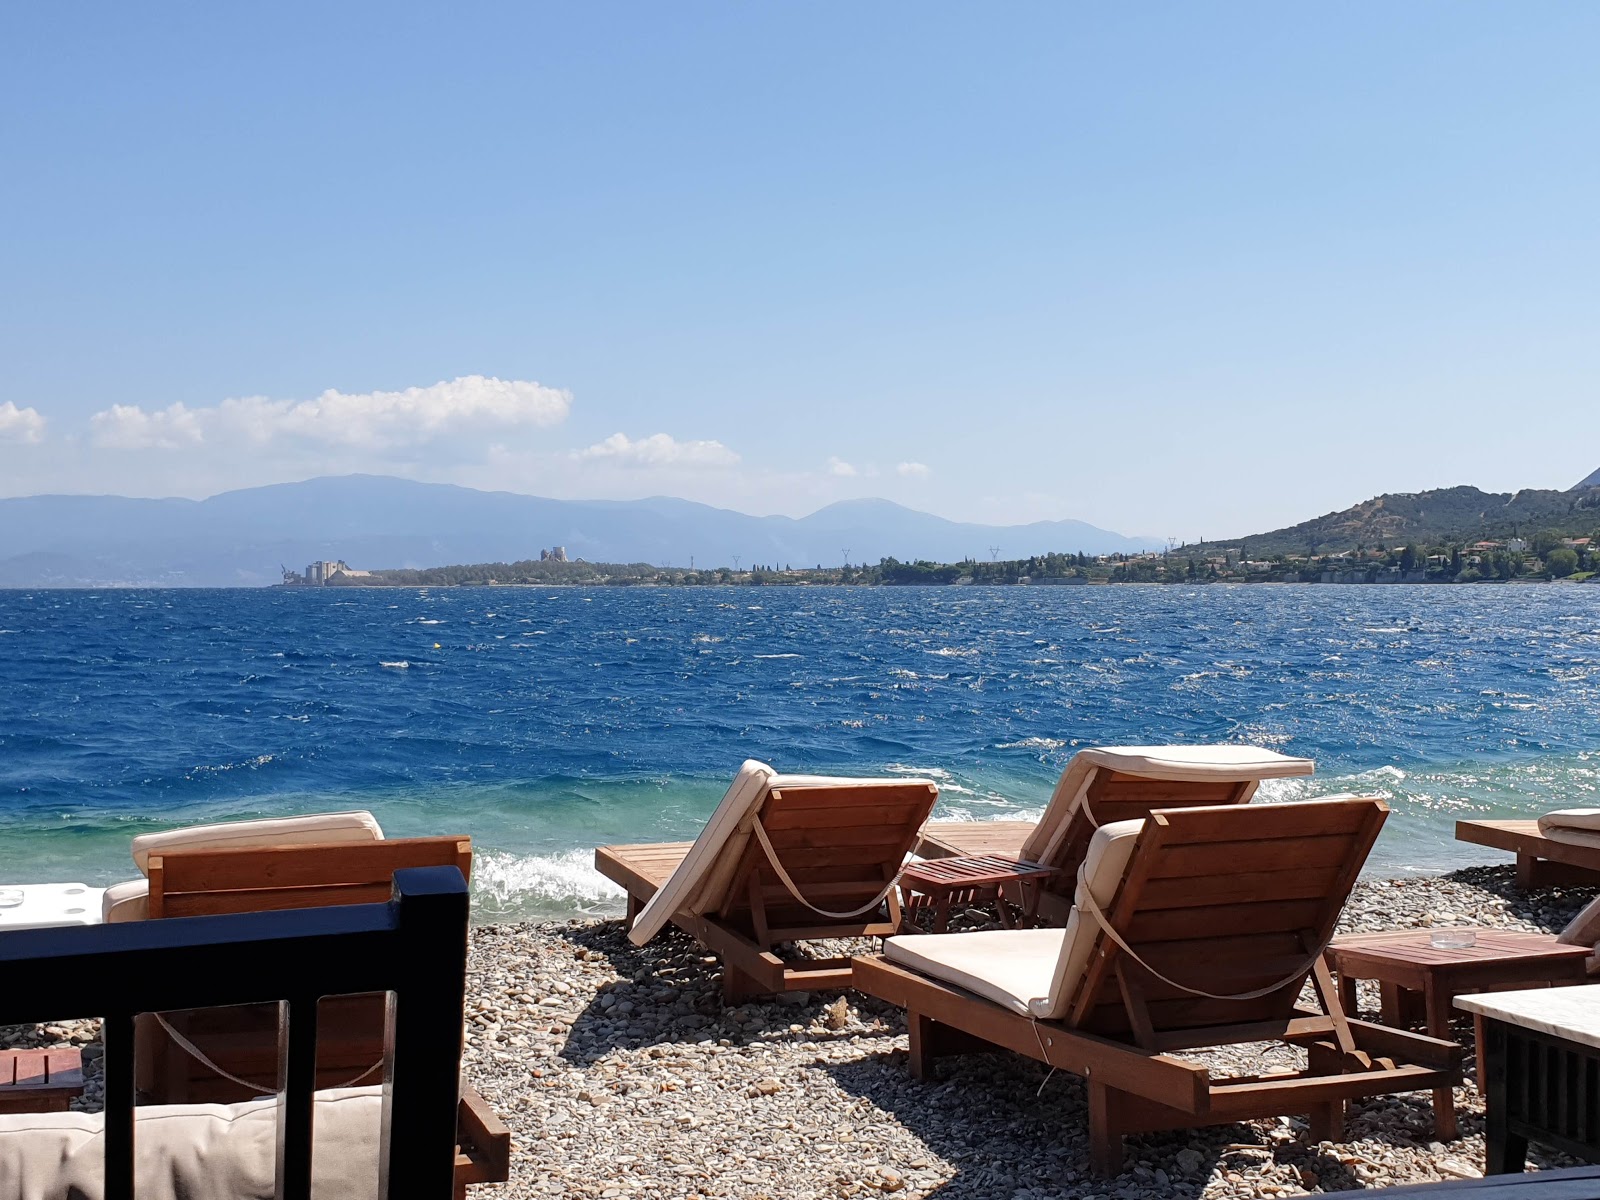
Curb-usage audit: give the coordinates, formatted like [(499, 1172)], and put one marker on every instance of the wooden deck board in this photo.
[(641, 869), (957, 839)]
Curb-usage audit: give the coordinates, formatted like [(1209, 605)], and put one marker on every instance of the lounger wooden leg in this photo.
[(1327, 1121), (923, 1038), (1105, 1132), (1527, 871), (634, 907), (737, 986)]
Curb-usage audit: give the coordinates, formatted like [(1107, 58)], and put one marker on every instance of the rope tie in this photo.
[(794, 890), (205, 1060), (1294, 976)]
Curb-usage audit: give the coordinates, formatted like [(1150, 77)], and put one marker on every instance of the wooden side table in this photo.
[(1541, 1056), (39, 1080), (1411, 972), (972, 879)]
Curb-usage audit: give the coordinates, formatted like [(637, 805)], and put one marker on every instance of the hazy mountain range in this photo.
[(241, 538)]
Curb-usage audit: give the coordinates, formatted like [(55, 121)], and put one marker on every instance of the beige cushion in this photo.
[(1179, 764), (1012, 967), (1589, 838), (1200, 764), (1034, 972), (128, 901), (701, 881), (1583, 929), (272, 831), (1570, 818), (194, 1151)]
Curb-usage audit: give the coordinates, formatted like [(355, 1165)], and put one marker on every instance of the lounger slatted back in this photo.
[(840, 842), (206, 883), (1227, 903), (1196, 927), (840, 846), (1120, 783), (243, 1043)]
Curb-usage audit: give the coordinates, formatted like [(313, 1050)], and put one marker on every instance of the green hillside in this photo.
[(1445, 515)]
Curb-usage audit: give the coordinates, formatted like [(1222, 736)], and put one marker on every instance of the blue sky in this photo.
[(1175, 269)]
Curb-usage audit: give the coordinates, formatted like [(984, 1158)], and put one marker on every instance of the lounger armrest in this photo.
[(484, 1151)]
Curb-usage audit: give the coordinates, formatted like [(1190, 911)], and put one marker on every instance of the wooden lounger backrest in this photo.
[(196, 883), (1114, 796), (840, 844), (1225, 900)]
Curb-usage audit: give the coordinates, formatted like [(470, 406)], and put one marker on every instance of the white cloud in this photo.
[(659, 450), (20, 424), (838, 466), (361, 420), (914, 470), (129, 427)]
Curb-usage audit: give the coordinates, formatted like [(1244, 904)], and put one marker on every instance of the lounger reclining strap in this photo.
[(205, 1060), (1087, 901), (772, 858)]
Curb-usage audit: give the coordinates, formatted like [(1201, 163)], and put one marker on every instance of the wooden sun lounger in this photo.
[(1541, 862), (841, 844), (1220, 899)]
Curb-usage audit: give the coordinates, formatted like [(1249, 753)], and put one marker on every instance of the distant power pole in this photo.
[(847, 556), (691, 562), (736, 558), (994, 553)]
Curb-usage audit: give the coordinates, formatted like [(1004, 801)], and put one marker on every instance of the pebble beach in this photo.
[(622, 1074)]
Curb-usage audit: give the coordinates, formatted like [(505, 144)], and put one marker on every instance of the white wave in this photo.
[(398, 665), (777, 656), (1034, 743), (511, 883), (705, 638), (954, 652), (423, 621)]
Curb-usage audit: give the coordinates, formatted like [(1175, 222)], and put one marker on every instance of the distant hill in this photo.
[(1592, 481), (371, 521), (1460, 514)]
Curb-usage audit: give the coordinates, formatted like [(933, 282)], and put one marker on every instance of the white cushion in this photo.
[(1570, 818), (128, 901), (1573, 837), (189, 1151), (699, 884), (1012, 967), (1200, 764), (271, 831), (1033, 972), (1181, 764)]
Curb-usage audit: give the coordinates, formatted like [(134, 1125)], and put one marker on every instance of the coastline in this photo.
[(621, 1073)]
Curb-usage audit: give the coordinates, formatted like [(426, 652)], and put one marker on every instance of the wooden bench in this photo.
[(1541, 862)]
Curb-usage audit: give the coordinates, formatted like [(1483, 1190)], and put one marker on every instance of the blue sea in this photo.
[(545, 721)]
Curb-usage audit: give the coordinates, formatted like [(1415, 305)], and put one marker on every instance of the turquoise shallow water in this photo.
[(543, 722)]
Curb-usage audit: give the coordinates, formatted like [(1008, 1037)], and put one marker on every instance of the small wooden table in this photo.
[(1540, 1053), (975, 878), (1414, 974), (39, 1080)]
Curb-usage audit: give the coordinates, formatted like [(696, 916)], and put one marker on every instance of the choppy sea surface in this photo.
[(543, 722)]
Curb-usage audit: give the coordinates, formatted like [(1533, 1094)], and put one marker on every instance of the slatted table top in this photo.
[(972, 871), (1414, 946)]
